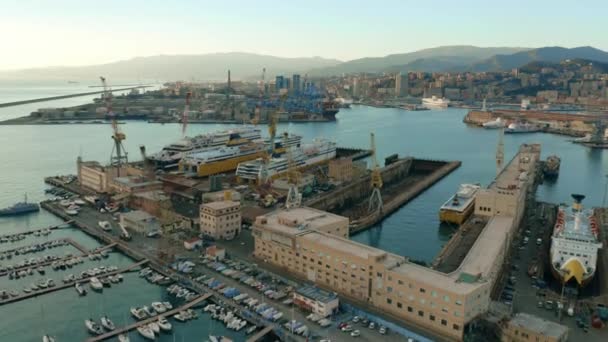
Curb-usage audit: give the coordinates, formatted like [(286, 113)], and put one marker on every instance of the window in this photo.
[(389, 289), (399, 305), (389, 301), (434, 293), (444, 322), (422, 290), (456, 327), (379, 274), (400, 282), (409, 309), (420, 313), (458, 302), (446, 298), (432, 317), (422, 301)]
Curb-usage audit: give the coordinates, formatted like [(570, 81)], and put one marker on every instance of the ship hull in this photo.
[(559, 276), (456, 217), (231, 164)]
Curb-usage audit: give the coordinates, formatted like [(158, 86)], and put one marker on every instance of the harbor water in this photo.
[(29, 153)]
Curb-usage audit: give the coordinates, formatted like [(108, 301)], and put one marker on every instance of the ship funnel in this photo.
[(577, 201)]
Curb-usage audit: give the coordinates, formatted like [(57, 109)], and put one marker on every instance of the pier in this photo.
[(46, 263), (43, 99), (260, 334), (133, 326), (66, 285), (29, 232)]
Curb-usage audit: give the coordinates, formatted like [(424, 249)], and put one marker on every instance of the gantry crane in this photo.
[(186, 113), (375, 200), (118, 157), (294, 197)]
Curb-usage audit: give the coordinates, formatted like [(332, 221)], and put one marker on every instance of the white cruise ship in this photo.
[(435, 102), (319, 151), (494, 124), (171, 154), (574, 244), (522, 127)]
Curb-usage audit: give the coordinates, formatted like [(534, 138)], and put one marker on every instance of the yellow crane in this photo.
[(272, 132), (118, 157), (375, 200)]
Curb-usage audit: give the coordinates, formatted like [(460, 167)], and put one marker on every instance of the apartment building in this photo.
[(221, 220)]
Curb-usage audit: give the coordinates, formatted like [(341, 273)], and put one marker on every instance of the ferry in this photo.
[(460, 206), (171, 154), (575, 244), (494, 124), (522, 127), (319, 151), (435, 102), (220, 159)]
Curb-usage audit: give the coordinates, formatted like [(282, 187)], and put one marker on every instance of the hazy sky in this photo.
[(81, 32)]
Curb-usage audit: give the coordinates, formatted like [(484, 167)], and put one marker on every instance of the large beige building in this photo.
[(444, 303), (221, 220)]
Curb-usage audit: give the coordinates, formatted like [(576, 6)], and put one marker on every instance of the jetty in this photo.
[(43, 99), (66, 285), (133, 326), (29, 232), (260, 334)]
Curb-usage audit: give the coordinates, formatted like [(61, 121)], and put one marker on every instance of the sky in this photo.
[(69, 32)]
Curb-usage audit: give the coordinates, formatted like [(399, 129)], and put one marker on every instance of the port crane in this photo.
[(118, 157), (375, 201), (294, 198), (186, 113)]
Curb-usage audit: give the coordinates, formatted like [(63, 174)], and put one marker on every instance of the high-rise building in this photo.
[(296, 83), (279, 83), (401, 85), (221, 220), (286, 83)]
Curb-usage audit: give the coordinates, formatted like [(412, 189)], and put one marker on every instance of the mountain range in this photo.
[(249, 66)]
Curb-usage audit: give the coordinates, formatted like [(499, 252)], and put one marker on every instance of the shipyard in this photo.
[(273, 172)]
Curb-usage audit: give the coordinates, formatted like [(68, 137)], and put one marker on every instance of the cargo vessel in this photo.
[(20, 208), (574, 244), (220, 159), (171, 154), (460, 206), (319, 151)]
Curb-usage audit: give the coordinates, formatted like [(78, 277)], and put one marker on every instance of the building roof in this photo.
[(343, 245), (135, 181), (539, 325), (297, 220), (137, 215), (316, 294), (154, 195), (219, 205)]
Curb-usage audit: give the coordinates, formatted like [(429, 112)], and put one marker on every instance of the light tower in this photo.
[(500, 151), (375, 200), (118, 157)]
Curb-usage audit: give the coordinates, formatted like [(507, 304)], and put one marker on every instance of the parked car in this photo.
[(355, 333)]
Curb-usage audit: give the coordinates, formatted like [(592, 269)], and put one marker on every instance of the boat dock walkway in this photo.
[(46, 263), (36, 230), (133, 326), (260, 334), (66, 285)]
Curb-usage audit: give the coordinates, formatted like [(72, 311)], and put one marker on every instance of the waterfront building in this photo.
[(221, 220), (139, 221), (134, 184), (94, 176), (525, 327), (341, 169), (316, 300), (444, 303)]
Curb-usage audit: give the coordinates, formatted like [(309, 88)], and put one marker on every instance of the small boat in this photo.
[(164, 324), (182, 316), (81, 290), (93, 327), (213, 338), (138, 313), (48, 338), (192, 314), (119, 277), (95, 284), (105, 225), (107, 323), (168, 306), (251, 329), (105, 282), (149, 311), (123, 338), (41, 270), (27, 289), (154, 327), (14, 293), (146, 332), (159, 307)]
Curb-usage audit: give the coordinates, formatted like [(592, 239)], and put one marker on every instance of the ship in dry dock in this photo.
[(458, 208), (575, 244)]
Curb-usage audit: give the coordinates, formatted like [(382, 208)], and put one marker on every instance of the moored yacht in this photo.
[(164, 324), (93, 327), (146, 332), (107, 323), (95, 284)]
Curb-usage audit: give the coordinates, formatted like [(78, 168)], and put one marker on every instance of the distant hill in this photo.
[(504, 62), (185, 67), (437, 58)]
